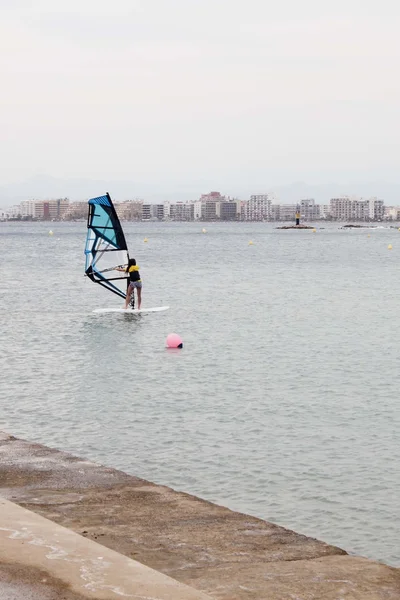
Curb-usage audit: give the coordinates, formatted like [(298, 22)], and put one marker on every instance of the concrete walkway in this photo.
[(227, 555), (42, 558)]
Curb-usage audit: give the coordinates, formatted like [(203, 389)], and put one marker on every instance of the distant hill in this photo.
[(389, 192), (43, 186)]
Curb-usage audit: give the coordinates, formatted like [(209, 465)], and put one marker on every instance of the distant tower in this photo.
[(298, 214)]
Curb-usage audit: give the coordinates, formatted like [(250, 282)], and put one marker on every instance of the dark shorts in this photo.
[(135, 284)]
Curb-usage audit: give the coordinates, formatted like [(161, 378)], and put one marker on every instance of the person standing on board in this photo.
[(134, 282)]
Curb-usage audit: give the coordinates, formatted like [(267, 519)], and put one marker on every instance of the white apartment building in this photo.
[(152, 212), (167, 211), (376, 209), (147, 212), (27, 208), (182, 211), (129, 210), (158, 212), (287, 212), (197, 210), (210, 210), (275, 212), (357, 209), (341, 208), (324, 211), (258, 208), (360, 210), (309, 211), (392, 213), (14, 211)]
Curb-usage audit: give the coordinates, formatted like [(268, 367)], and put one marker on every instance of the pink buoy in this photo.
[(174, 341)]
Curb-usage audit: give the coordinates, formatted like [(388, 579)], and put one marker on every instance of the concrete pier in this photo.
[(52, 559), (218, 553)]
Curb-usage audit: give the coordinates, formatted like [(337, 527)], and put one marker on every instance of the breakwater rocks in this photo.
[(295, 227), (350, 226), (224, 554)]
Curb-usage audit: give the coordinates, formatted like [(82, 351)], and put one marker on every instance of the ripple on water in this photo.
[(283, 402)]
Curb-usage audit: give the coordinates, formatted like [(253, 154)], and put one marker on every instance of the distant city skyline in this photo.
[(44, 187), (213, 206)]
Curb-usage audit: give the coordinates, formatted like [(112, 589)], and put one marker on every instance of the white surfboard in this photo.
[(130, 311)]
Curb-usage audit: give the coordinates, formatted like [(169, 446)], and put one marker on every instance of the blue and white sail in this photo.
[(106, 247)]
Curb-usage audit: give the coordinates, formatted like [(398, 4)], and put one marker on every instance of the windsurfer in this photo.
[(134, 282)]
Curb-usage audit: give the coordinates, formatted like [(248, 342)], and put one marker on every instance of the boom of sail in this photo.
[(106, 247)]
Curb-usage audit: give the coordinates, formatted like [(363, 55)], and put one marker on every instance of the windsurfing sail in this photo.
[(106, 247)]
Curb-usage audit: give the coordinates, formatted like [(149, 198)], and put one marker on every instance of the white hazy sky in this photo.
[(224, 91)]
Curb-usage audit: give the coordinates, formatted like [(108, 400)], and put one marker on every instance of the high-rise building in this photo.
[(182, 211), (210, 210), (167, 210), (212, 197), (147, 212), (47, 210), (197, 210), (76, 210), (324, 211), (129, 210), (287, 212), (376, 209), (153, 212), (392, 213), (27, 208), (258, 208), (341, 208), (309, 211), (275, 212), (229, 211), (158, 212), (357, 209)]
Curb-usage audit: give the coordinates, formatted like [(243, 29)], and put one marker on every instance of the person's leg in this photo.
[(132, 301), (128, 296), (139, 296)]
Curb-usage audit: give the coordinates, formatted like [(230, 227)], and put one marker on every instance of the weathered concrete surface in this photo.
[(228, 555), (19, 582), (66, 565)]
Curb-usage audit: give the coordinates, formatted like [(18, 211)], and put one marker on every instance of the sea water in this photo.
[(283, 402)]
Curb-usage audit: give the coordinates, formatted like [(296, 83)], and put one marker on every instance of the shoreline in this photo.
[(287, 222), (224, 554)]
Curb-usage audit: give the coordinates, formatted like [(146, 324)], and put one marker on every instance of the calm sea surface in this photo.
[(284, 402)]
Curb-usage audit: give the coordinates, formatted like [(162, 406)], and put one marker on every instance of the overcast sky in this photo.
[(213, 91)]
